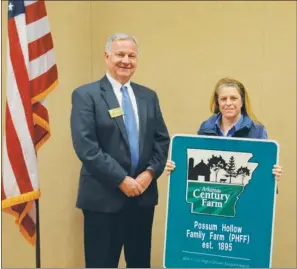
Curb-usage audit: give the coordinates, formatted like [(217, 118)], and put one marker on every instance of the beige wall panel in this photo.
[(278, 108)]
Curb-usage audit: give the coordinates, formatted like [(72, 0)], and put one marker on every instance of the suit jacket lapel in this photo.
[(142, 115), (108, 95)]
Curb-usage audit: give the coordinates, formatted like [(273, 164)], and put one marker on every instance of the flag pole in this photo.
[(37, 235)]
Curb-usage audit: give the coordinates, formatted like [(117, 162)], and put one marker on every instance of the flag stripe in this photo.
[(42, 64), (40, 46), (25, 145), (41, 85), (29, 225), (3, 196), (32, 212), (20, 74), (19, 37), (40, 133), (9, 183), (19, 208), (35, 12), (22, 116), (29, 2), (41, 110), (37, 29), (24, 219), (41, 121), (16, 158)]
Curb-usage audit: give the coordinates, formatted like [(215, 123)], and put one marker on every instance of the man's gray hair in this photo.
[(119, 36)]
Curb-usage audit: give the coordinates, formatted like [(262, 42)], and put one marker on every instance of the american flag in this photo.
[(31, 76)]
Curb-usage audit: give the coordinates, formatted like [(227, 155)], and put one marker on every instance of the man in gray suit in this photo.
[(119, 135)]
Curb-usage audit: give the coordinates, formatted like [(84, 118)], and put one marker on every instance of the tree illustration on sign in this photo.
[(230, 169), (243, 171), (217, 163)]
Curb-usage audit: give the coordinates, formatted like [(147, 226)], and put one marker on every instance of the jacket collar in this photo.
[(211, 125)]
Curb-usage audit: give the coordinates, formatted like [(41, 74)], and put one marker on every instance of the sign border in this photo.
[(224, 138)]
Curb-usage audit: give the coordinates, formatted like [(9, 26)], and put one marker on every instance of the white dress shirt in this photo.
[(117, 90)]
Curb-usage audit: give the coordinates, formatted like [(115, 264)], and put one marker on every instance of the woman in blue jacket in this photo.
[(232, 117)]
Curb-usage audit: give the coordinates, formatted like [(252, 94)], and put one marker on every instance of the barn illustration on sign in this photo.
[(216, 179)]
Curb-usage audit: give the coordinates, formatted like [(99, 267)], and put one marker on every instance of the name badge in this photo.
[(116, 112)]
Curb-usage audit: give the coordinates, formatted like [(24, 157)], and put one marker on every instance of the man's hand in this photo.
[(130, 187), (144, 179)]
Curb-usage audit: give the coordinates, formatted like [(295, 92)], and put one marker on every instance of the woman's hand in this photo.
[(277, 171), (170, 166)]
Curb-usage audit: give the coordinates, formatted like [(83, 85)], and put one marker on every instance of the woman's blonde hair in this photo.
[(231, 82)]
